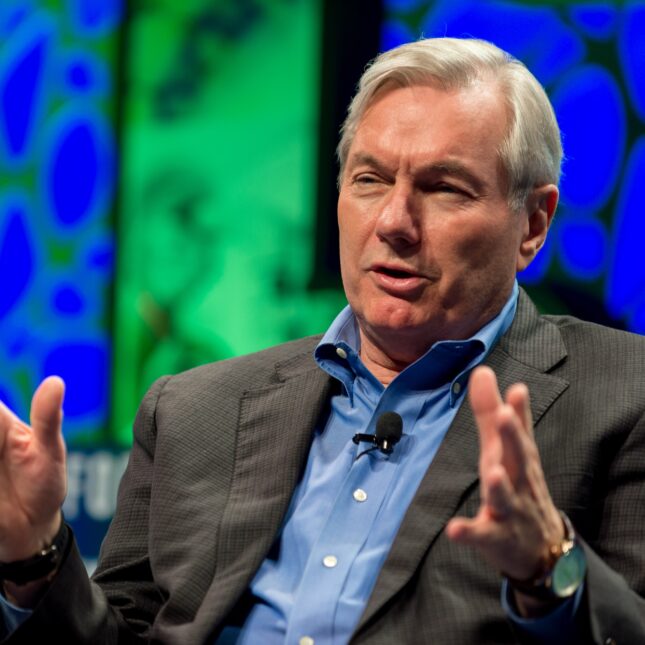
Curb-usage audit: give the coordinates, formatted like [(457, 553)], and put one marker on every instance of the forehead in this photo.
[(427, 121)]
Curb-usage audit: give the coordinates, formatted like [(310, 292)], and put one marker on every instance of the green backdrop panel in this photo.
[(217, 197)]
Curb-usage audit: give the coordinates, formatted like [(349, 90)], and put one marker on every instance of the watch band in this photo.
[(547, 584), (37, 566)]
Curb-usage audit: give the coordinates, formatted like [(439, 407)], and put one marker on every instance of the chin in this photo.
[(393, 323)]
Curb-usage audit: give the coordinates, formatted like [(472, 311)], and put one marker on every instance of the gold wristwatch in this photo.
[(563, 573)]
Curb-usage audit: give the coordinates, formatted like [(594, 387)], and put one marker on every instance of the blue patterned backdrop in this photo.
[(57, 160)]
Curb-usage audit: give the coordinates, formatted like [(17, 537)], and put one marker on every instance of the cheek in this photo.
[(458, 246), (354, 235), (347, 246), (476, 253), (349, 252)]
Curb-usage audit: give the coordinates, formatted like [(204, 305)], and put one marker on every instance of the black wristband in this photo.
[(38, 566)]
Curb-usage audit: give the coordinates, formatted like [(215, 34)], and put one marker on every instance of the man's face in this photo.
[(428, 244)]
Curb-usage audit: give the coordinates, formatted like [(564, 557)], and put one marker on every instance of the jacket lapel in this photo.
[(274, 434), (531, 347)]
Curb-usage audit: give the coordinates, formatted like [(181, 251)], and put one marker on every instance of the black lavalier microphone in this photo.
[(389, 428)]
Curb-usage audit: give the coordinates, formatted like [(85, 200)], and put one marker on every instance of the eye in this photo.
[(452, 191), (366, 178), (447, 188)]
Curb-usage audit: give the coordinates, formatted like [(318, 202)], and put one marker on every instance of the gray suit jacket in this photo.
[(218, 451)]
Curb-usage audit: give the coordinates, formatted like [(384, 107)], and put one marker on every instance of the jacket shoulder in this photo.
[(250, 371), (594, 337)]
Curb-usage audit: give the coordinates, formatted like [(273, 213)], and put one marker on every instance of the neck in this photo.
[(384, 365)]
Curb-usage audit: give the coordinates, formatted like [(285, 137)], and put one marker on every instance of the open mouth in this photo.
[(397, 281), (396, 273)]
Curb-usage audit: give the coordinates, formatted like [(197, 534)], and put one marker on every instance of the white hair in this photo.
[(531, 152)]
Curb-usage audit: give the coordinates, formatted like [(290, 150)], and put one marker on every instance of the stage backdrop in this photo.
[(166, 185)]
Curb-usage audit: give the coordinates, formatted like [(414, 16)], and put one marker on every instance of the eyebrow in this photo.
[(456, 169), (365, 159), (445, 167)]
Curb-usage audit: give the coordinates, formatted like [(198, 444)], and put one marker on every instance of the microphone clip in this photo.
[(389, 428), (379, 443)]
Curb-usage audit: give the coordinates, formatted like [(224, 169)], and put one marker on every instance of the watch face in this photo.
[(569, 572)]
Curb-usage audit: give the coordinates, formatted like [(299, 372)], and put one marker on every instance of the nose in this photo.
[(398, 223)]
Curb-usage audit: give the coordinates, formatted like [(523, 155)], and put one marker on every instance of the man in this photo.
[(247, 512)]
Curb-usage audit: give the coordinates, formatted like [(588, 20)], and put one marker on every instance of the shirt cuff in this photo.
[(558, 626), (12, 616)]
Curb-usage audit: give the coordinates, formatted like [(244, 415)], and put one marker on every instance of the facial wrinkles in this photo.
[(414, 172)]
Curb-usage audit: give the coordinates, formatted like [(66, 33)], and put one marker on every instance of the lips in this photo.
[(396, 279), (397, 271)]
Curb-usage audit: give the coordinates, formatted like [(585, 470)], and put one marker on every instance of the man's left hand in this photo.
[(517, 522)]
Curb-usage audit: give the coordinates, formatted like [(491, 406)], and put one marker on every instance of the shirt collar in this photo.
[(447, 361)]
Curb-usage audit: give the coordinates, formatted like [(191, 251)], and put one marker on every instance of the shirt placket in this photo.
[(361, 496)]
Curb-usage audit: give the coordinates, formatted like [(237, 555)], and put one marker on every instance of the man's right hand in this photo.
[(32, 474)]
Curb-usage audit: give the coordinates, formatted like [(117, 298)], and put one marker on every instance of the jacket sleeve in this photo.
[(615, 597)]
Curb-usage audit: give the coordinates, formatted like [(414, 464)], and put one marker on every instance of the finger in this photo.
[(517, 396), (10, 423), (459, 529), (497, 505), (474, 532), (6, 416), (483, 392), (487, 526), (499, 495), (516, 449), (47, 410), (485, 401)]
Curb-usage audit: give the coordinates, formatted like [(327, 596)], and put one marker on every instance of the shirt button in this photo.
[(341, 352), (330, 561), (456, 388), (306, 640), (360, 495)]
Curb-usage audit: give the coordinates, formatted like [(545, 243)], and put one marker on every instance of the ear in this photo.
[(540, 208)]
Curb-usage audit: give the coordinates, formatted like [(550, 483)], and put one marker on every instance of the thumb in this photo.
[(47, 410)]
